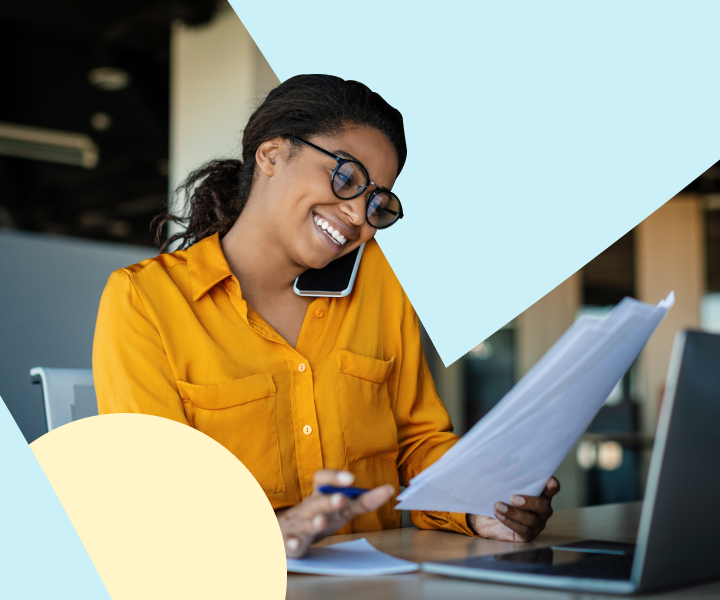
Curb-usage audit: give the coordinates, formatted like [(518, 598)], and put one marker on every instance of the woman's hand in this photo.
[(521, 522), (320, 515)]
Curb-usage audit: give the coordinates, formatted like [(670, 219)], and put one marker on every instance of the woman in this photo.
[(305, 392)]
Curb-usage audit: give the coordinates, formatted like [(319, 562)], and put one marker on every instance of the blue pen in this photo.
[(350, 492)]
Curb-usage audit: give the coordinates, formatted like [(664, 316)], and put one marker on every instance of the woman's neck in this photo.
[(266, 275), (260, 264)]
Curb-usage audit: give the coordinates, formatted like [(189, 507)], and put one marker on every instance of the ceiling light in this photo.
[(35, 143), (483, 351), (100, 121), (610, 456), (109, 79)]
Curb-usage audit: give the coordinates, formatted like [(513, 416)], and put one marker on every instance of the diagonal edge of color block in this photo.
[(538, 134), (40, 552)]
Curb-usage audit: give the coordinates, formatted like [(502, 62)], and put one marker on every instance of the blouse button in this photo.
[(319, 313), (301, 367), (307, 430)]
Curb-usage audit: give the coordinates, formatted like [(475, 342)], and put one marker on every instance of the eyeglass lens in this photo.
[(349, 180), (382, 209)]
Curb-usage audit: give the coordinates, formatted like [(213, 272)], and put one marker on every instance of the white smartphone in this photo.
[(335, 280)]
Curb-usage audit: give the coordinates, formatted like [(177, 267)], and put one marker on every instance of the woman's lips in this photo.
[(343, 228), (333, 233), (338, 238), (328, 241)]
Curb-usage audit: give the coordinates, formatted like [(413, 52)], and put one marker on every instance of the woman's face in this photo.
[(301, 205)]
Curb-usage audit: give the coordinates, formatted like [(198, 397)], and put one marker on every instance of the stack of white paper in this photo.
[(523, 440), (349, 558)]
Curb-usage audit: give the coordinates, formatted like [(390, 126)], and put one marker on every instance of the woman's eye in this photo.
[(378, 203), (347, 179)]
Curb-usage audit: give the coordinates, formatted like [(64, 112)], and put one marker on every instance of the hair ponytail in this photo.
[(303, 106), (213, 197)]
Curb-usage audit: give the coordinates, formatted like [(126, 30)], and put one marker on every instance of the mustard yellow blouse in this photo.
[(174, 338)]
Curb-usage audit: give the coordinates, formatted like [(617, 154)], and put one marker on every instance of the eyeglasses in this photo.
[(350, 179)]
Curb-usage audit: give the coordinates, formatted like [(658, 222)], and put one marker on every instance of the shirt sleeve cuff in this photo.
[(447, 521)]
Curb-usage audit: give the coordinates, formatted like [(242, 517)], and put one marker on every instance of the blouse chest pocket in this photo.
[(240, 415), (368, 420)]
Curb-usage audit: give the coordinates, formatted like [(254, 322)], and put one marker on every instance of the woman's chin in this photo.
[(318, 263), (320, 256), (310, 258)]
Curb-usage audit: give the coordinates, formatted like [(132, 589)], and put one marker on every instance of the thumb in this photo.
[(374, 499)]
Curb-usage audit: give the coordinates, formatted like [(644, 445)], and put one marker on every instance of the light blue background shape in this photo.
[(538, 132), (41, 555)]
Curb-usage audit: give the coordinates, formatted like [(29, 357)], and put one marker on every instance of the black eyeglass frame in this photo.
[(368, 182)]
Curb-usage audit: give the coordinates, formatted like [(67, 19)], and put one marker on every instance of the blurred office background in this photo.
[(108, 106)]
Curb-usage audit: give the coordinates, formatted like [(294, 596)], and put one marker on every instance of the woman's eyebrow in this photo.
[(347, 155)]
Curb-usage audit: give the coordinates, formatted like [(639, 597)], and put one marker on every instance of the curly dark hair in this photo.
[(303, 106)]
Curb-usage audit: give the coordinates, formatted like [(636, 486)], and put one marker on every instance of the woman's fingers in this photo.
[(316, 516), (538, 504), (490, 528), (524, 526), (295, 546), (373, 499), (522, 533), (322, 514), (319, 522), (332, 477), (524, 517), (552, 487), (323, 504), (298, 534)]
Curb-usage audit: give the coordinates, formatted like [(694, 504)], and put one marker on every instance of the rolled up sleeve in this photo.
[(130, 365), (424, 426)]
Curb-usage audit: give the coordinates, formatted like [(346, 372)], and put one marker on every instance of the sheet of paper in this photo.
[(523, 440), (357, 558)]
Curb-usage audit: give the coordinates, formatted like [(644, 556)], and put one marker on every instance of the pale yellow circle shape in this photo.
[(163, 510)]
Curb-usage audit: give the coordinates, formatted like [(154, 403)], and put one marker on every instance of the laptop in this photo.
[(678, 538)]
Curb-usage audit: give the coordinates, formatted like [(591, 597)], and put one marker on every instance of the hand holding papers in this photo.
[(523, 440), (357, 558)]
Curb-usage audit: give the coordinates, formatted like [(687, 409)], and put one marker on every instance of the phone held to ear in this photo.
[(335, 280)]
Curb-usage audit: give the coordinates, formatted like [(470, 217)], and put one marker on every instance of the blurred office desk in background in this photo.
[(612, 522)]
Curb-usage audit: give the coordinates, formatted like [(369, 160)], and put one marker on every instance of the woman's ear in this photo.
[(267, 155)]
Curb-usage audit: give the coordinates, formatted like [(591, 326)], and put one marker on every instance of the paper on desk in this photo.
[(523, 440), (349, 558)]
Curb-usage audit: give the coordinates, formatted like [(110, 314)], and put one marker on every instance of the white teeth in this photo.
[(336, 236)]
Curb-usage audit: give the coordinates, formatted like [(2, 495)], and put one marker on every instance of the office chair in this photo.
[(68, 394)]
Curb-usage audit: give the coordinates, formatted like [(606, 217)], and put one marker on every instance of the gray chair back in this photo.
[(68, 394)]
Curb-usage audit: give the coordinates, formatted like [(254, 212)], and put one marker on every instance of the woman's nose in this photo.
[(354, 209)]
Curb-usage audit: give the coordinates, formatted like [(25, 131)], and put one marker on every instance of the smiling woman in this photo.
[(305, 392)]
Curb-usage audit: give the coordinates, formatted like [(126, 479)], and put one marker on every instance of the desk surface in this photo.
[(613, 522)]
